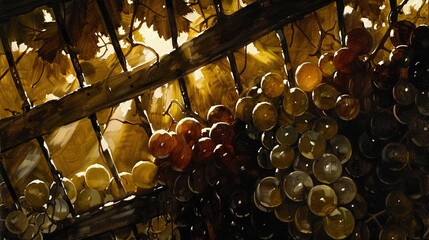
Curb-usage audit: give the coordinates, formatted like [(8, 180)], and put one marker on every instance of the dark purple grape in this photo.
[(418, 74), (401, 32), (384, 76), (359, 40), (420, 41)]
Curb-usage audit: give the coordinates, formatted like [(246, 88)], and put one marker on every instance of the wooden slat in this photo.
[(234, 32)]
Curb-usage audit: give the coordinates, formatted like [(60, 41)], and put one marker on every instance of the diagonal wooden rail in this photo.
[(233, 32)]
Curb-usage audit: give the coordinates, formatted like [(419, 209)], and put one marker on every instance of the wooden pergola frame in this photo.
[(217, 42)]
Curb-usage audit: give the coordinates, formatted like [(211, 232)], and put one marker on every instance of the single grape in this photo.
[(263, 158), (341, 147), (44, 224), (395, 156), (347, 107), (358, 206), (97, 177), (70, 189), (393, 232), (420, 41), (189, 129), (422, 102), (243, 109), (222, 132), (345, 60), (272, 85), (398, 204), (181, 156), (327, 126), (223, 154), (327, 168), (144, 173), (419, 131), (345, 188), (268, 192), (79, 181), (401, 32), (16, 222), (322, 200), (326, 64), (304, 122), (404, 92), (304, 164), (404, 114), (282, 156), (357, 166), (286, 135), (359, 40), (360, 85), (312, 144), (161, 144), (297, 185), (240, 204), (295, 102), (383, 125), (268, 139), (264, 116), (304, 220), (59, 210), (341, 81), (36, 193), (181, 191), (127, 182), (384, 76), (202, 150), (86, 199), (296, 234), (400, 57), (197, 182), (325, 96), (308, 76), (339, 224), (285, 212), (219, 113)]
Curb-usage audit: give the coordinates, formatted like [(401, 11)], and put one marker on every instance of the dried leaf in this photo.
[(52, 42), (155, 15)]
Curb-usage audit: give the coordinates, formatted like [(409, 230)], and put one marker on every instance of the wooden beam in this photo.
[(233, 32)]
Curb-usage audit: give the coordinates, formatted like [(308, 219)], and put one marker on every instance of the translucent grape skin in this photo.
[(322, 200), (161, 144), (219, 113), (359, 40), (282, 156), (347, 107), (326, 64), (297, 185), (190, 129), (345, 60), (401, 32), (327, 169), (346, 189), (268, 192), (312, 145), (339, 224), (264, 116), (308, 76), (243, 109), (295, 102), (202, 150), (272, 85), (324, 96)]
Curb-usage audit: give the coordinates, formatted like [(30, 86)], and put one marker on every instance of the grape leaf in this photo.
[(155, 15), (52, 42)]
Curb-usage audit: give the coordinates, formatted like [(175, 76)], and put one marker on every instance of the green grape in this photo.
[(322, 200), (264, 116), (32, 233), (327, 126), (286, 135), (243, 109), (312, 144), (308, 76), (297, 185), (285, 118), (326, 64), (347, 107), (59, 210), (16, 222), (263, 158), (272, 85), (268, 192), (339, 224), (341, 147), (422, 102), (395, 156), (295, 102), (259, 205), (327, 168), (346, 190), (285, 212), (325, 96), (219, 113), (304, 164), (36, 194), (44, 224), (304, 122), (296, 234), (282, 156), (268, 139), (304, 220)]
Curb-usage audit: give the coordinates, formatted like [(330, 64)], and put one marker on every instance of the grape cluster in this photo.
[(43, 207)]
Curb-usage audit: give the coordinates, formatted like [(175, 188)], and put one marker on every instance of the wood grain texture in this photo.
[(234, 32)]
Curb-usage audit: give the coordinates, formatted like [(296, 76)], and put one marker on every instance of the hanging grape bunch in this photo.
[(332, 138)]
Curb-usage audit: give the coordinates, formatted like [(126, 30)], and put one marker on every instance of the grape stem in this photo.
[(386, 34), (184, 110), (374, 217)]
